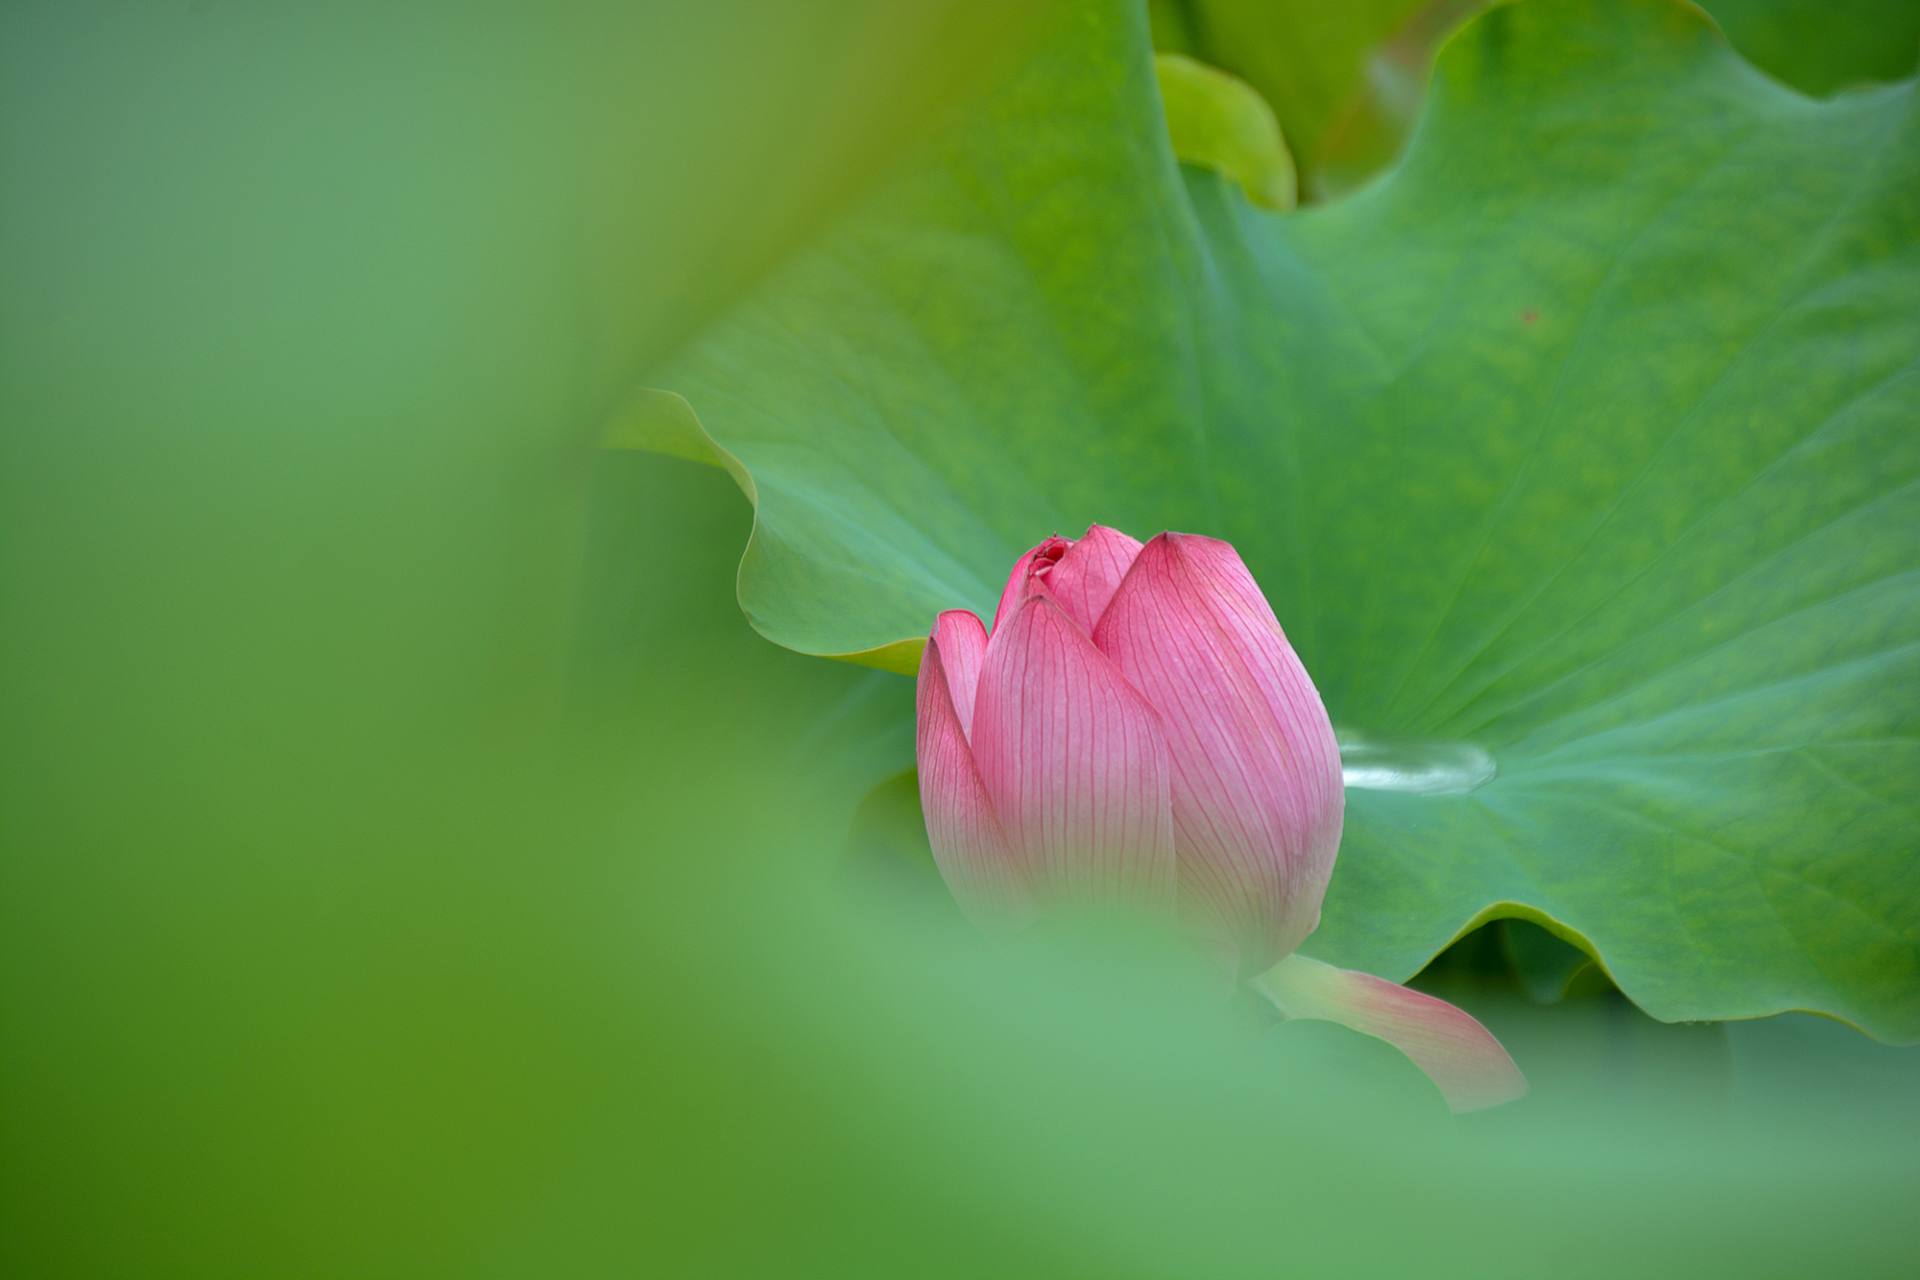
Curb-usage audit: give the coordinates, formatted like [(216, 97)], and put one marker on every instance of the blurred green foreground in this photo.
[(413, 864)]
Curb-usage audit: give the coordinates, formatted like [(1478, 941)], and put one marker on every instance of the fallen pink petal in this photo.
[(1462, 1058)]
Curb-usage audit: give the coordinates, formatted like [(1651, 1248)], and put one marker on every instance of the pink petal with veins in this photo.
[(1257, 796), (962, 643), (1089, 572), (1018, 586), (1073, 761), (968, 843)]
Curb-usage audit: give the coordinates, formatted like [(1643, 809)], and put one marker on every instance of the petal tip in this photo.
[(952, 617)]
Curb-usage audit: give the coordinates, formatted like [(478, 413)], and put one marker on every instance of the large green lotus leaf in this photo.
[(1586, 440)]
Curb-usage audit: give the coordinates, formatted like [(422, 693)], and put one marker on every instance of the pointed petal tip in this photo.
[(1047, 600), (1084, 576), (1176, 540), (955, 649), (949, 618), (1018, 585)]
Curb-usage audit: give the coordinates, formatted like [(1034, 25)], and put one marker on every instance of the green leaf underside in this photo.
[(1586, 436)]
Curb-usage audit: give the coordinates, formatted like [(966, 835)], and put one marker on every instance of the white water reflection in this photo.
[(1421, 768)]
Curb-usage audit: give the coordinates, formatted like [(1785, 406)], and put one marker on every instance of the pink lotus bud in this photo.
[(1137, 728)]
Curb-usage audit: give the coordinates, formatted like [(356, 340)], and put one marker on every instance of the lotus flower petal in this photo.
[(1073, 760), (962, 643), (1019, 582), (1089, 572), (1257, 797), (1081, 574), (1449, 1044), (968, 843)]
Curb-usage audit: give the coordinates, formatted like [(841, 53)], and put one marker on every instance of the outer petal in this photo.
[(1073, 760), (962, 645), (1449, 1044), (968, 843), (1257, 798), (1089, 572)]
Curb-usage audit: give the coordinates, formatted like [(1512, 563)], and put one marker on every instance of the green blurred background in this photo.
[(414, 865)]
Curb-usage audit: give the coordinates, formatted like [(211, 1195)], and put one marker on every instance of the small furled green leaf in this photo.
[(1219, 123), (1345, 80)]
